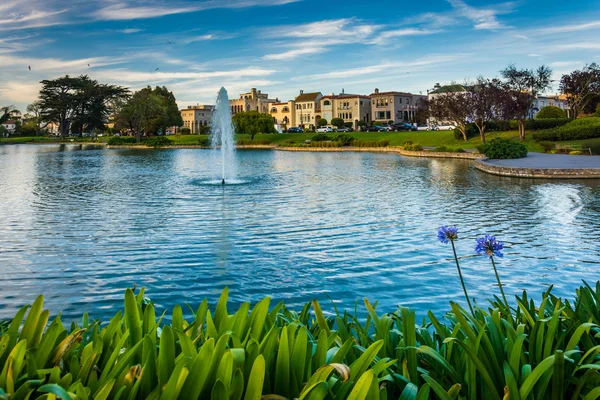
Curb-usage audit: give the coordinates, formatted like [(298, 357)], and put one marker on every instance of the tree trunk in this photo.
[(521, 129), (482, 134), (463, 130)]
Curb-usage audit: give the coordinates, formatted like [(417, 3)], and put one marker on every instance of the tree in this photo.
[(521, 88), (140, 111), (9, 112), (337, 122), (453, 107), (486, 98), (582, 88), (170, 115), (253, 122), (36, 112), (550, 112), (322, 122)]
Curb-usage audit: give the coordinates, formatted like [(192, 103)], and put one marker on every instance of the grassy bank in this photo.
[(531, 351), (431, 139)]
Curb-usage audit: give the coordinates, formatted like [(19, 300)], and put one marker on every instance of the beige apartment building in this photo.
[(284, 114), (196, 116), (254, 100), (352, 108), (308, 110), (395, 106)]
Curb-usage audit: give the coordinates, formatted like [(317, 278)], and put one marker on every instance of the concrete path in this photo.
[(547, 161)]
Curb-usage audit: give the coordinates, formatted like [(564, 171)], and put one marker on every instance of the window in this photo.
[(285, 109), (274, 109), (304, 106), (326, 103)]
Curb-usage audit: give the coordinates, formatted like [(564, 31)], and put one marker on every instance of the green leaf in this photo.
[(55, 390), (256, 380), (166, 355)]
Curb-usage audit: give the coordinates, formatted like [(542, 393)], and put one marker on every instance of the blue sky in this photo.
[(282, 46)]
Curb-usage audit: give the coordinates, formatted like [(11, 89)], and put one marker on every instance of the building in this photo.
[(308, 110), (196, 116), (10, 126), (284, 114), (440, 90), (352, 108), (394, 106), (254, 100), (556, 100)]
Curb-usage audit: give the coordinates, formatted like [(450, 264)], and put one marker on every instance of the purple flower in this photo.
[(489, 246), (447, 234)]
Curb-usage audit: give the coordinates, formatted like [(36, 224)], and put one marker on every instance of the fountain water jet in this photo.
[(222, 138)]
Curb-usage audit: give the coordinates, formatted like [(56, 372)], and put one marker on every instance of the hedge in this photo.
[(585, 128), (503, 149)]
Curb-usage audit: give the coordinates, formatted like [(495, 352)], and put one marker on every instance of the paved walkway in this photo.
[(554, 161)]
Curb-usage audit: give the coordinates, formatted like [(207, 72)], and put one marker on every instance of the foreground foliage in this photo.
[(503, 149), (532, 351), (584, 128)]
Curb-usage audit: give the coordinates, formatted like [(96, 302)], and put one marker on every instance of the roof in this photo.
[(390, 94), (9, 122), (308, 96), (449, 89), (345, 95), (281, 104)]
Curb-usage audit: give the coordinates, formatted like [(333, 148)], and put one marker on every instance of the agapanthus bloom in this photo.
[(447, 233), (489, 246)]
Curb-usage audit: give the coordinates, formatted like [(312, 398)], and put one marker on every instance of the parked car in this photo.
[(344, 129), (443, 128), (423, 127), (373, 128), (401, 127), (324, 129), (295, 130)]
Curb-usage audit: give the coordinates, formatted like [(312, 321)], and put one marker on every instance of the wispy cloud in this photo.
[(292, 54), (130, 30), (569, 28), (482, 17)]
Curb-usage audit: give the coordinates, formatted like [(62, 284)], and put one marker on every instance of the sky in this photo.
[(284, 46)]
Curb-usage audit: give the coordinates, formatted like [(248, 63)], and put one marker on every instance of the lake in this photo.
[(82, 223)]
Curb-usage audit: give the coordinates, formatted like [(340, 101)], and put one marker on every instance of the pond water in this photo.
[(81, 224)]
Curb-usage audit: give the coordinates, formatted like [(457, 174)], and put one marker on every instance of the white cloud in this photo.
[(130, 30), (569, 28), (292, 54), (483, 18)]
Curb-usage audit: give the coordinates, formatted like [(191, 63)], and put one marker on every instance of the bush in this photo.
[(585, 128), (205, 142), (118, 140), (252, 142), (548, 146), (344, 138), (321, 137), (551, 112), (337, 122), (413, 147), (185, 131), (503, 149), (407, 143), (446, 149), (322, 122), (365, 143), (158, 141), (539, 124)]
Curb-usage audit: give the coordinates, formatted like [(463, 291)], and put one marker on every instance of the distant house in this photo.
[(196, 116), (308, 109), (550, 100), (283, 114), (254, 100), (10, 126), (395, 106), (352, 108)]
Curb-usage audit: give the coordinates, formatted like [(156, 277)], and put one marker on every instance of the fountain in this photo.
[(222, 139)]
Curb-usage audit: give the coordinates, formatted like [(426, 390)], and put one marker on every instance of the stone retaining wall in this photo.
[(398, 150), (547, 173)]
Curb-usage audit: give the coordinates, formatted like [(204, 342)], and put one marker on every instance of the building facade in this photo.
[(10, 126), (395, 106), (254, 100), (553, 100), (308, 110), (352, 108), (284, 114), (197, 116)]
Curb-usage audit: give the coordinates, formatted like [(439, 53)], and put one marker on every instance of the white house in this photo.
[(10, 126), (551, 100)]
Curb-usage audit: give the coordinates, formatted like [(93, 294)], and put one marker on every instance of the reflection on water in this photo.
[(81, 224)]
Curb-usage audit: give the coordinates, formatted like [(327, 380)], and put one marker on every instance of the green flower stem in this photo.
[(499, 283), (462, 281)]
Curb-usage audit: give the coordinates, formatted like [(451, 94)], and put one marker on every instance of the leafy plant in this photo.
[(584, 128), (344, 138), (158, 141), (503, 149), (413, 147), (117, 140), (321, 137), (551, 112)]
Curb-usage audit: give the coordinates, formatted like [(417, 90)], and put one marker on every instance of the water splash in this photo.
[(222, 139)]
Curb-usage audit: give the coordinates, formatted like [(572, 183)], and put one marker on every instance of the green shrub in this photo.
[(503, 149), (158, 141), (459, 150), (442, 149), (584, 128), (543, 349), (540, 124), (185, 131), (551, 112), (344, 138), (322, 122), (118, 140), (205, 142), (366, 143), (471, 130), (321, 137), (547, 146), (325, 144), (407, 143), (413, 147), (252, 142)]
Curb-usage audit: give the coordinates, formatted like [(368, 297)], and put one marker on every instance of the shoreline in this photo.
[(481, 163)]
